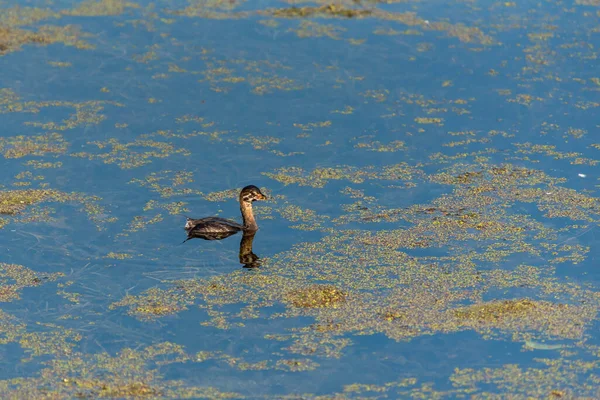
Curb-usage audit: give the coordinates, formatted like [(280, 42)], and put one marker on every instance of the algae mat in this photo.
[(433, 214)]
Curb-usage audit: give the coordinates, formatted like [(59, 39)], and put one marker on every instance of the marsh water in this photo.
[(432, 223)]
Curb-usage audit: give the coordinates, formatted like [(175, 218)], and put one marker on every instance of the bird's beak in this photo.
[(262, 197)]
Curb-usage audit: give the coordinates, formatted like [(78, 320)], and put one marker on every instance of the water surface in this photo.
[(432, 218)]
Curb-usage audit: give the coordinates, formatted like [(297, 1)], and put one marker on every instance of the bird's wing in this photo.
[(209, 224)]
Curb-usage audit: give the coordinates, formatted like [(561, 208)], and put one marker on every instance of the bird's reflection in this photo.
[(247, 257)]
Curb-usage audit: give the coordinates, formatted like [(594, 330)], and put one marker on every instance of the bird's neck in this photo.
[(248, 217)]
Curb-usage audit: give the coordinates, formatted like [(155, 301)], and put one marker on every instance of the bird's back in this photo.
[(211, 225)]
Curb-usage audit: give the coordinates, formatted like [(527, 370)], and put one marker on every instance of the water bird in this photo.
[(215, 228)]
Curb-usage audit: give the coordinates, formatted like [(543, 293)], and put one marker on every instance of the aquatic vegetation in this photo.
[(118, 256), (262, 76), (315, 29), (141, 223), (60, 64), (20, 16), (155, 303), (14, 202), (346, 111), (376, 145), (13, 278), (316, 296), (222, 195), (435, 121), (321, 176), (263, 85), (12, 39), (168, 183), (309, 127), (129, 374), (175, 207), (379, 96), (258, 142), (553, 379), (86, 112), (549, 150), (441, 196), (358, 261), (93, 8), (124, 155), (560, 320), (310, 219), (326, 10), (43, 165), (22, 146)]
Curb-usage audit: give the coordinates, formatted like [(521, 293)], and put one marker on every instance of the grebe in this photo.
[(215, 228)]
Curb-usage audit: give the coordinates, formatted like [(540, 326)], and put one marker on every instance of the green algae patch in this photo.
[(258, 142), (464, 33), (376, 145), (12, 38), (141, 223), (22, 146), (118, 256), (392, 293), (260, 76), (550, 379), (449, 264), (173, 208), (319, 177), (43, 165), (215, 9), (295, 365), (316, 296), (15, 201), (56, 341), (60, 64), (11, 328), (404, 296), (222, 195), (84, 113), (168, 183), (48, 340), (314, 29), (74, 298), (559, 320), (20, 16), (130, 374), (132, 154), (427, 120), (93, 8), (332, 10), (13, 278), (155, 303), (309, 218), (270, 84), (551, 151)]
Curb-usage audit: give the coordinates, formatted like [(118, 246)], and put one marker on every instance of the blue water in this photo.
[(432, 216)]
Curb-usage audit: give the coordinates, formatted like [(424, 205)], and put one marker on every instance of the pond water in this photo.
[(431, 225)]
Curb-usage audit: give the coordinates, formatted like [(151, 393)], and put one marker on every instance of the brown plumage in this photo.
[(215, 228)]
